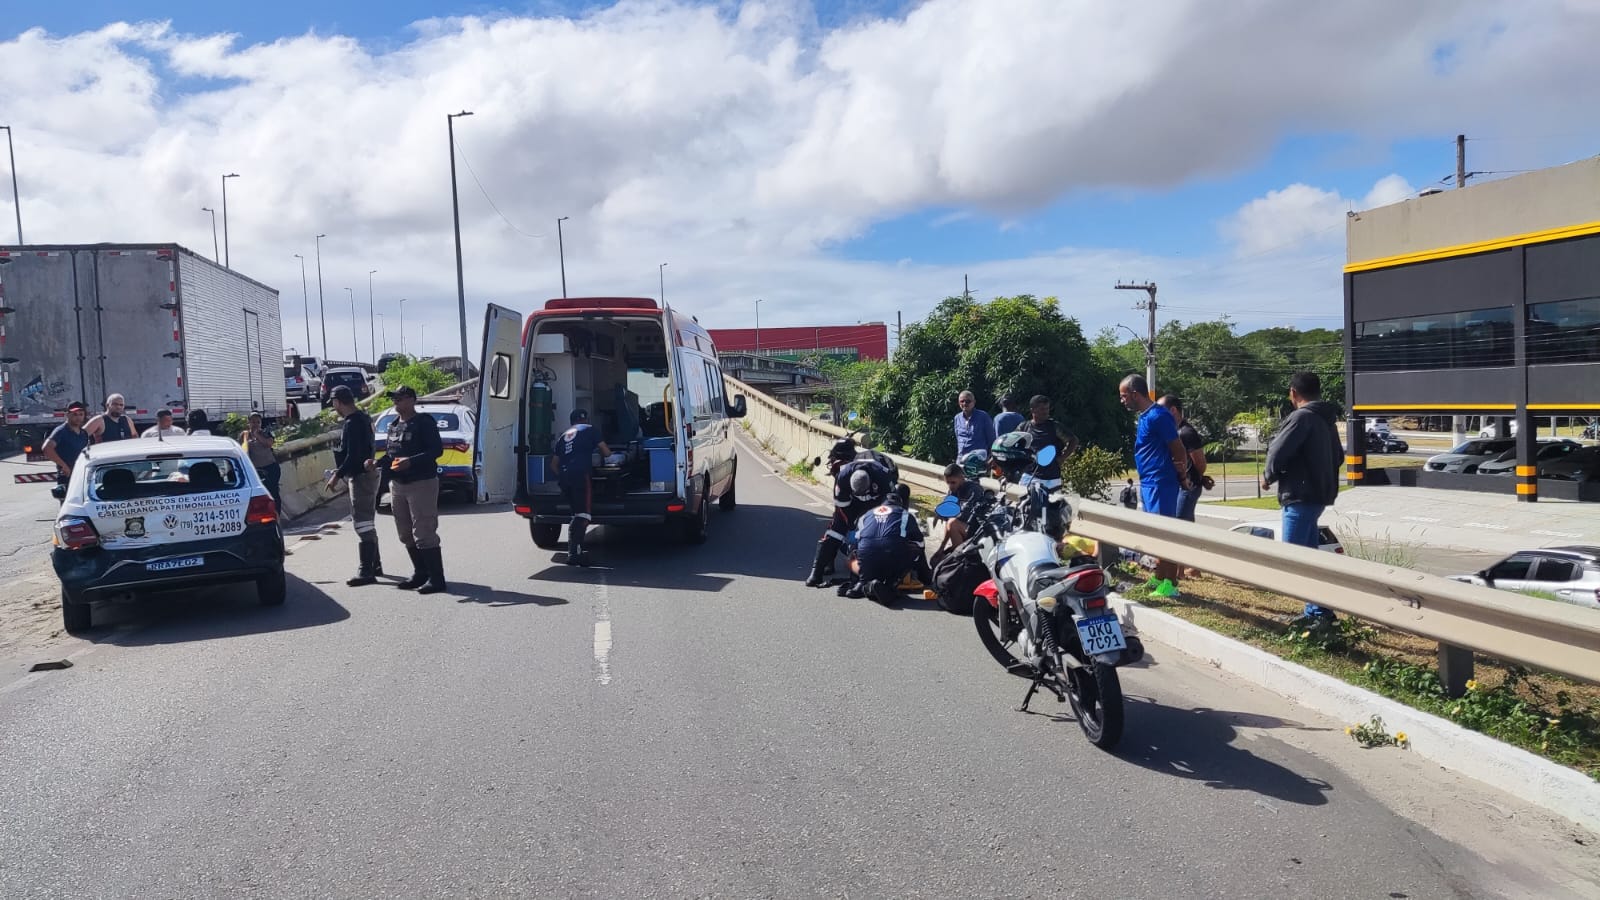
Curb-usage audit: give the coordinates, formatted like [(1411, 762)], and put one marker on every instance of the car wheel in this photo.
[(545, 537), (729, 501), (76, 614), (272, 589), (693, 528)]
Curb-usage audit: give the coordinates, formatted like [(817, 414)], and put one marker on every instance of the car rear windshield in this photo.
[(169, 477), (347, 378), (445, 421), (290, 372), (1326, 535)]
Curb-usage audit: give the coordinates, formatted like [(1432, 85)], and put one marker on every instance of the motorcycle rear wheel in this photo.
[(987, 620), (1095, 693)]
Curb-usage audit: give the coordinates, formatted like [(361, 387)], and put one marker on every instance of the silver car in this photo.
[(1467, 457), (1571, 574), (1549, 452)]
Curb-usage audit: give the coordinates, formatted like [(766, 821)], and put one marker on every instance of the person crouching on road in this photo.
[(414, 450), (573, 453), (888, 545), (356, 466), (853, 497)]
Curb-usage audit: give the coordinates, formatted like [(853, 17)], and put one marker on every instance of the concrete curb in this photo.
[(1563, 791)]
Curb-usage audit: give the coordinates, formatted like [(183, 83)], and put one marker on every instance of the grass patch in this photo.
[(1269, 500), (1545, 714), (802, 472)]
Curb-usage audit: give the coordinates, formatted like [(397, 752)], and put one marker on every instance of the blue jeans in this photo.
[(1188, 501), (1300, 527)]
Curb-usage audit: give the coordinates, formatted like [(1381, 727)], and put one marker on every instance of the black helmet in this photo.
[(844, 450), (1013, 453), (975, 463)]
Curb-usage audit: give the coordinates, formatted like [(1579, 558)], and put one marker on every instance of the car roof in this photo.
[(1591, 553), (347, 370), (435, 406), (145, 448)]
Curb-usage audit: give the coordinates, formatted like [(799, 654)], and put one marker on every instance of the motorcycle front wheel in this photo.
[(1095, 693), (987, 620)]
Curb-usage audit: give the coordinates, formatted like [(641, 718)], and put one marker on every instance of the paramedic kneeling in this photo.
[(574, 451), (888, 544)]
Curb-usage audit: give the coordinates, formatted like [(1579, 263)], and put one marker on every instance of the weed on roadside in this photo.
[(1373, 733), (802, 471)]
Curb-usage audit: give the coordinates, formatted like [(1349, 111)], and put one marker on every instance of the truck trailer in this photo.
[(157, 323)]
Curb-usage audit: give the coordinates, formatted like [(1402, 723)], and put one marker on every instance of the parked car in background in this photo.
[(1491, 430), (386, 360), (160, 515), (1571, 574), (299, 385), (1468, 456), (457, 427), (1384, 442), (1326, 539), (1549, 451), (1582, 464), (351, 377)]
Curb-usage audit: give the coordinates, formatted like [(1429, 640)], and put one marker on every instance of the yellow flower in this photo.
[(1349, 729), (1553, 722), (1545, 746), (1305, 634), (1455, 710), (1400, 737), (1472, 684)]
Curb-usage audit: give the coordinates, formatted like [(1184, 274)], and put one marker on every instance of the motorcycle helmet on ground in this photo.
[(1012, 454), (975, 463)]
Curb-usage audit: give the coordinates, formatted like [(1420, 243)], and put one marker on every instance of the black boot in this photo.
[(434, 559), (419, 571), (822, 568), (364, 574), (575, 532), (377, 561)]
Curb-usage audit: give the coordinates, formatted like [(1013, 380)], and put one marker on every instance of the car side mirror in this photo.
[(1486, 576), (738, 408)]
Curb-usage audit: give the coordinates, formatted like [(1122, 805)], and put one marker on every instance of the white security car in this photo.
[(1326, 539), (1571, 574), (157, 515), (1468, 456)]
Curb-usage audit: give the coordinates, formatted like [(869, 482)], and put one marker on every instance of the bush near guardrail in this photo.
[(1463, 618)]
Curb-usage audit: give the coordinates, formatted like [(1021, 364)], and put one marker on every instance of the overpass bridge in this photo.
[(796, 384)]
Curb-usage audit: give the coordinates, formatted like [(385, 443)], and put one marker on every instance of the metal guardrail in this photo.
[(1544, 634)]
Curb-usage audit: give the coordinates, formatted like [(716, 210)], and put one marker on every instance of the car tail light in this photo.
[(675, 507), (458, 446), (76, 533), (1338, 550), (1090, 581), (523, 510), (262, 511)]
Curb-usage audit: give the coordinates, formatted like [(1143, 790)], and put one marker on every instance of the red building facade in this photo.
[(868, 341)]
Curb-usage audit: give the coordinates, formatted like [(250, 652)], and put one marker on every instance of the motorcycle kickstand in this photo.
[(1039, 681)]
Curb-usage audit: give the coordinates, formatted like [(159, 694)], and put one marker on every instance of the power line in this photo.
[(462, 153)]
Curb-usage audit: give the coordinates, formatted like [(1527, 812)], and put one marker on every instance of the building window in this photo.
[(1564, 332), (1477, 339)]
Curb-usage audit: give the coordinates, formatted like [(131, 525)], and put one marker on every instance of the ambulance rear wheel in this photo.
[(545, 537)]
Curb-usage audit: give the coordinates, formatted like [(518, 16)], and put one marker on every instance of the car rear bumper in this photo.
[(256, 552), (635, 509)]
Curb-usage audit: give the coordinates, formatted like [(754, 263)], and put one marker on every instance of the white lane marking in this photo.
[(1559, 534), (1429, 519), (602, 633), (1492, 526)]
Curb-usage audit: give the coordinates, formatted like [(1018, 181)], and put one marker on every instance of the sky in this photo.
[(839, 160)]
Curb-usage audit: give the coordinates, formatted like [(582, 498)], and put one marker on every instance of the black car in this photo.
[(387, 360), (352, 378), (1383, 442)]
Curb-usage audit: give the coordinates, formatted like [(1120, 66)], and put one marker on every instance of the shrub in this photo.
[(1089, 473)]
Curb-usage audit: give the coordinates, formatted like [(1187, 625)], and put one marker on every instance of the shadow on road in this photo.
[(466, 592), (212, 613), (1199, 744)]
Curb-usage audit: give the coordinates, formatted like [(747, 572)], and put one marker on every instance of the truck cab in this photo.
[(650, 380)]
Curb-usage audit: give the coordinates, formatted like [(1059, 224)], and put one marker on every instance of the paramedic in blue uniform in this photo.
[(574, 452), (888, 544), (858, 486)]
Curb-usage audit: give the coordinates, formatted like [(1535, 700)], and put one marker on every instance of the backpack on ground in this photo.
[(956, 577)]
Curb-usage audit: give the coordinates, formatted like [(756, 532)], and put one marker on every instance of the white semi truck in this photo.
[(157, 323)]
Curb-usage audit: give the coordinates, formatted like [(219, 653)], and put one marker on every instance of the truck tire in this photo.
[(692, 528), (272, 589), (545, 537), (76, 614), (729, 501)]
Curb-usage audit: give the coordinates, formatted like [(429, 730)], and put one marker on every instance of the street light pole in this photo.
[(372, 335), (661, 273), (455, 208), (216, 254), (227, 257), (322, 309), (383, 329), (758, 324), (402, 326), (355, 350), (16, 203), (305, 296), (561, 247)]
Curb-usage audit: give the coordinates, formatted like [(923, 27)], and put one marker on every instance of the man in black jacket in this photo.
[(859, 485), (353, 457), (1303, 461), (414, 450)]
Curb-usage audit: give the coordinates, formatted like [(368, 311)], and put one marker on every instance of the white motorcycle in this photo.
[(1047, 620)]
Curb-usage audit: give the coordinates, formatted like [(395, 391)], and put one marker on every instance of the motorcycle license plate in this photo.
[(1102, 634)]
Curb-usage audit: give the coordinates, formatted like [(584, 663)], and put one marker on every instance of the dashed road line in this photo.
[(1492, 526), (1559, 534), (602, 633)]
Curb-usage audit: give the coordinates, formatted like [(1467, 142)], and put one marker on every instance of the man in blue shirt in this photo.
[(574, 460), (974, 428), (1158, 455), (1009, 419), (68, 441)]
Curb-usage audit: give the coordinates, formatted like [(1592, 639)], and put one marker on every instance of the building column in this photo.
[(1355, 443), (1527, 456)]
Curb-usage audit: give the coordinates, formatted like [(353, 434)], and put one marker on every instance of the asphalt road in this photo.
[(686, 722)]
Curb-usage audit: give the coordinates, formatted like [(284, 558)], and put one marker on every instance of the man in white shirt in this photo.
[(163, 427)]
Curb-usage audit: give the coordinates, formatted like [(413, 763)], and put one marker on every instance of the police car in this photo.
[(457, 426), (148, 515)]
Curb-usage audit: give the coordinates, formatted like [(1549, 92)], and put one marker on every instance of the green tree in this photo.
[(1019, 345)]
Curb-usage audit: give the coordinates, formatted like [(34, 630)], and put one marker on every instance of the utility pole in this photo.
[(402, 326), (216, 252), (455, 209), (322, 309), (227, 258), (899, 326), (1148, 287), (305, 300), (16, 202), (966, 288), (1458, 424), (561, 248), (661, 273), (355, 350), (372, 331)]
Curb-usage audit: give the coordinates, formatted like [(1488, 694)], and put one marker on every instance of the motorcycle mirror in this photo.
[(1046, 456), (948, 508)]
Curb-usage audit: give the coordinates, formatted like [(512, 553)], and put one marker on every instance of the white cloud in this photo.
[(1299, 214), (739, 143)]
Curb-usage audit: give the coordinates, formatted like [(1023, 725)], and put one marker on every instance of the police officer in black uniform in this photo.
[(889, 543), (413, 452), (573, 451), (858, 486)]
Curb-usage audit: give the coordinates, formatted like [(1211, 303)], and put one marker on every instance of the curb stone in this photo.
[(1554, 787)]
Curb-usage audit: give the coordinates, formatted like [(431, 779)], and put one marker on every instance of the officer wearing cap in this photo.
[(413, 453), (573, 459), (858, 486), (354, 458)]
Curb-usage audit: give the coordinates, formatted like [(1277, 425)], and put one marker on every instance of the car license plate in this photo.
[(182, 562), (1102, 634)]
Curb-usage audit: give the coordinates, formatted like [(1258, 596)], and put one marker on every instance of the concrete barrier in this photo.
[(303, 463)]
